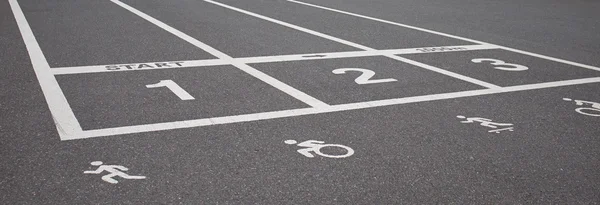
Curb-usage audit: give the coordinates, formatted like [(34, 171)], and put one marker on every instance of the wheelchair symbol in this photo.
[(315, 146), (593, 110)]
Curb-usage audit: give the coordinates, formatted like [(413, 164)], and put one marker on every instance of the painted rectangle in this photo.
[(114, 99), (504, 68), (318, 78), (259, 59)]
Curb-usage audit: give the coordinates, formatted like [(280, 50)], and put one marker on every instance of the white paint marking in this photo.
[(322, 35), (550, 58), (501, 64), (316, 146), (113, 171), (365, 77), (63, 116), (487, 123), (593, 110), (442, 71), (342, 41), (253, 72), (267, 59), (176, 89), (173, 31), (450, 36), (310, 111), (497, 131)]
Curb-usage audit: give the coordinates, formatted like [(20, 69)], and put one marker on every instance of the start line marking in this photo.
[(261, 59)]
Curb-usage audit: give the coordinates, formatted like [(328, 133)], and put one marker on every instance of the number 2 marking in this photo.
[(366, 76), (180, 92), (511, 67)]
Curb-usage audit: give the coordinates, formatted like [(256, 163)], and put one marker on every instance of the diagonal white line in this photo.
[(449, 35), (253, 72), (342, 41)]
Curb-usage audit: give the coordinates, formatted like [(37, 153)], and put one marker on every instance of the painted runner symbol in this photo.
[(315, 146), (488, 123), (113, 170)]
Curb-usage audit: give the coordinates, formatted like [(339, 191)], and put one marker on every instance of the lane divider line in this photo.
[(449, 35), (356, 45), (64, 118), (251, 71), (312, 111)]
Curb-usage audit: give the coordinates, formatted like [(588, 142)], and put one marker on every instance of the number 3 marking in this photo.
[(366, 76), (512, 67)]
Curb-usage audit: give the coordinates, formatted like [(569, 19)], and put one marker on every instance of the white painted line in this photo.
[(135, 66), (356, 45), (442, 71), (173, 31), (389, 22), (342, 41), (63, 116), (261, 59), (449, 35), (282, 86), (310, 111), (551, 58), (256, 73)]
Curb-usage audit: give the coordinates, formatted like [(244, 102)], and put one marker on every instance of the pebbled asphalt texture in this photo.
[(415, 153)]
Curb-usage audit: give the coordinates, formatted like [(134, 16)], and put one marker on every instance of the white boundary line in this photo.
[(449, 35), (311, 111), (70, 129), (62, 114), (342, 41), (253, 72), (271, 59)]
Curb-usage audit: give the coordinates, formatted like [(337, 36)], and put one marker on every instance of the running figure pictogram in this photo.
[(487, 123), (593, 110), (315, 146), (113, 170)]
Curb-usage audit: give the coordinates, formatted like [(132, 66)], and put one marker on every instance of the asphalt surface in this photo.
[(409, 153)]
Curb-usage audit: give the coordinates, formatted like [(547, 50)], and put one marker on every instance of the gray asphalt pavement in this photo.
[(271, 80)]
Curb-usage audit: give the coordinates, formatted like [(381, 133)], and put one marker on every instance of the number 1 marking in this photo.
[(180, 92)]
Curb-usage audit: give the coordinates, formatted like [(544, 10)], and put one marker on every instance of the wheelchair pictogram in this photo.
[(592, 110), (316, 146)]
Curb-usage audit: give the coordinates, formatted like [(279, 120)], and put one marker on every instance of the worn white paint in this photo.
[(62, 114)]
